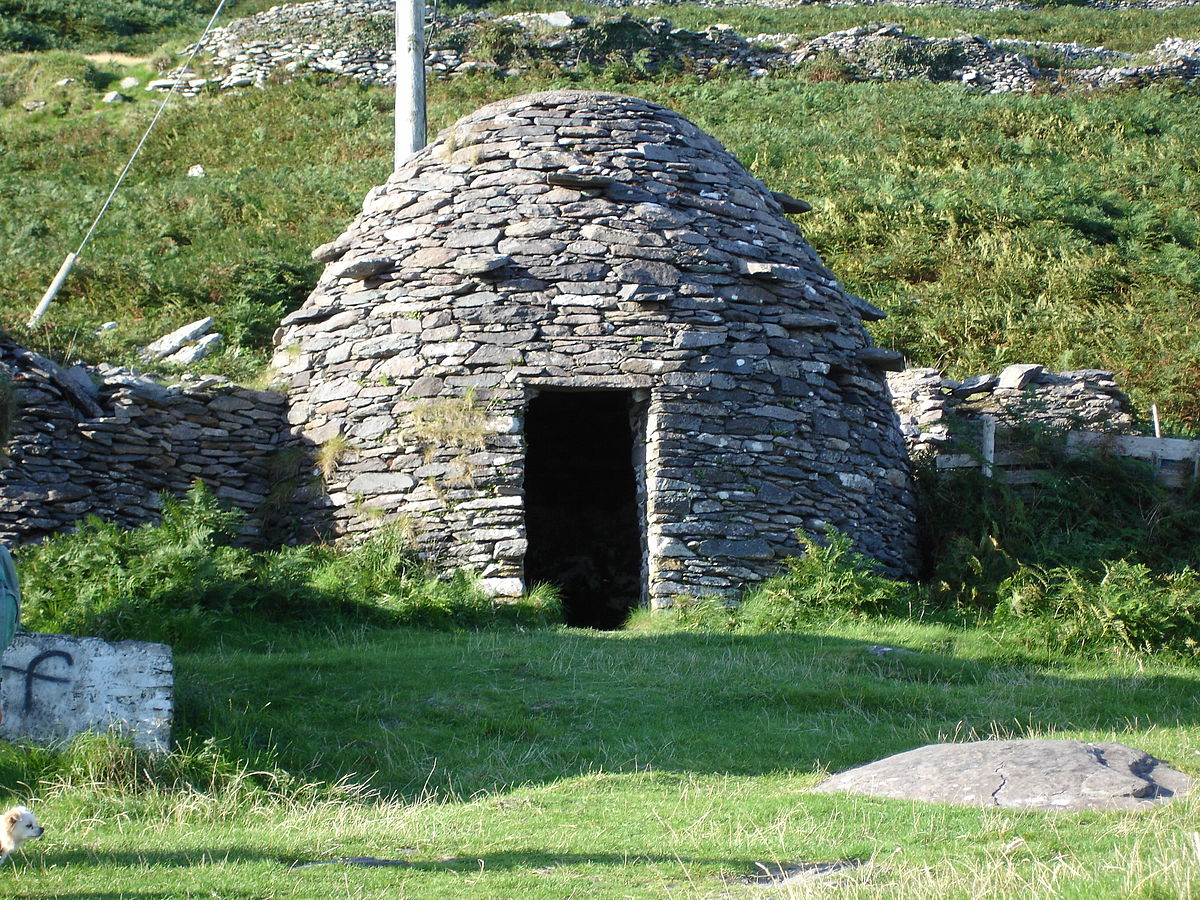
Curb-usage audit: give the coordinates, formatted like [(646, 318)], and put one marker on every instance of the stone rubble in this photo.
[(355, 40)]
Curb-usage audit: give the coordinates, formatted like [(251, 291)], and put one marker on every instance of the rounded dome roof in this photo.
[(563, 192), (574, 241)]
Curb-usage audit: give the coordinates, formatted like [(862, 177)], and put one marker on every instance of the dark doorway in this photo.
[(581, 509)]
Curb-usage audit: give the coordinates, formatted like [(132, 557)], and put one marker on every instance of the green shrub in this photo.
[(829, 582), (900, 57), (255, 294), (59, 79), (702, 614), (830, 67), (184, 581), (1082, 511), (1125, 607), (170, 582)]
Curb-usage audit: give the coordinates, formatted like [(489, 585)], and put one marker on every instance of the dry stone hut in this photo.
[(573, 340)]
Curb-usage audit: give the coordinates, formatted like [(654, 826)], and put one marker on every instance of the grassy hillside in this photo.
[(1059, 229), (673, 759)]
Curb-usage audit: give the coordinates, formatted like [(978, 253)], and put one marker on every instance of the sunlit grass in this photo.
[(558, 763)]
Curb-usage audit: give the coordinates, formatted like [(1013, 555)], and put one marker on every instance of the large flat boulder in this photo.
[(1021, 774)]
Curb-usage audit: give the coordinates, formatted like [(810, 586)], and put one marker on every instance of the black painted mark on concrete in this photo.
[(31, 673)]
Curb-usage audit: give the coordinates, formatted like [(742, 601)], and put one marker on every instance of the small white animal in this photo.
[(17, 825)]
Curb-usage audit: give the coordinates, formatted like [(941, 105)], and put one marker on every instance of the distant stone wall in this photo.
[(106, 443), (934, 410), (355, 39)]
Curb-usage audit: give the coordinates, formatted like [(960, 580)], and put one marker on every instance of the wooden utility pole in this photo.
[(410, 78)]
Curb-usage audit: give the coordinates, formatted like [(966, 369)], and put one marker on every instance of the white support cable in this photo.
[(69, 262)]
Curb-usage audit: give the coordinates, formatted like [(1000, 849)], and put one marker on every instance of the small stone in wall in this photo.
[(1018, 377), (480, 263), (361, 269)]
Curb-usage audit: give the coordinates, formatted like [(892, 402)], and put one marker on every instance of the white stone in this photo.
[(56, 687), (169, 343), (202, 349), (502, 587)]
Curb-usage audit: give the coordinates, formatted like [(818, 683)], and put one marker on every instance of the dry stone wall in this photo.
[(936, 411), (107, 442)]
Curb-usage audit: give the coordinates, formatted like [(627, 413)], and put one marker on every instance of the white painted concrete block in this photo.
[(55, 687)]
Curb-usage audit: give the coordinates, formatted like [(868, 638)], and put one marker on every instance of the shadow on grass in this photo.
[(533, 860), (510, 860), (453, 715)]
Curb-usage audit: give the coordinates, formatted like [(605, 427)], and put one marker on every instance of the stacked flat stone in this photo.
[(934, 410), (106, 443), (585, 240)]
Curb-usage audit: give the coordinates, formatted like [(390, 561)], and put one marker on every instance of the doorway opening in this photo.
[(581, 503)]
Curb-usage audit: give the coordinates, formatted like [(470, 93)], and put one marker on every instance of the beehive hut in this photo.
[(573, 340)]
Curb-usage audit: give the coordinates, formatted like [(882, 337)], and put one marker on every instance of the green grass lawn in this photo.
[(558, 763)]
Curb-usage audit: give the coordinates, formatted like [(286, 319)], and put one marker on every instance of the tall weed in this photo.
[(1125, 606), (830, 582)]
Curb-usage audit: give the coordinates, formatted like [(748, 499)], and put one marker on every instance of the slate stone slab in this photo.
[(1019, 774)]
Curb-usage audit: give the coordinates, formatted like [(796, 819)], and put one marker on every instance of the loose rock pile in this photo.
[(356, 40)]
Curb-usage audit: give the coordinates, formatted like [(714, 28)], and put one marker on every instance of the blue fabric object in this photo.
[(10, 598)]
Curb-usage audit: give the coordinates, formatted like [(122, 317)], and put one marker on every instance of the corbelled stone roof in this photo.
[(580, 239)]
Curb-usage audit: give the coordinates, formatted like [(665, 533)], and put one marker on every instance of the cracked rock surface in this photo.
[(1019, 774)]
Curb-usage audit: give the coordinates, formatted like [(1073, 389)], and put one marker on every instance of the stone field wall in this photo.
[(106, 443), (936, 412)]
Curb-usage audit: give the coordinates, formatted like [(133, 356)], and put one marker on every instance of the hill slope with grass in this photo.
[(1059, 229)]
